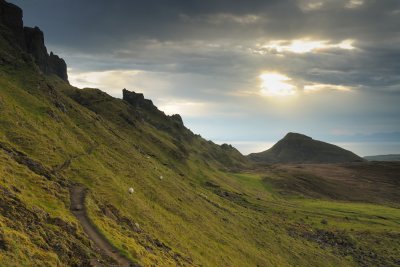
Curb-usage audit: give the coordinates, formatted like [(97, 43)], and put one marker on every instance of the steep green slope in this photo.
[(298, 148), (193, 205)]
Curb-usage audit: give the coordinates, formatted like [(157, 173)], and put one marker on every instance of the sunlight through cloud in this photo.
[(301, 46), (354, 3), (317, 87), (310, 5), (276, 84)]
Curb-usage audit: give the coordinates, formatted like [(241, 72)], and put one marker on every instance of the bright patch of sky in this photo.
[(276, 84), (302, 46)]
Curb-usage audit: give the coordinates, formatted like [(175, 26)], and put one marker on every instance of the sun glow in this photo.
[(276, 84), (301, 46), (317, 87)]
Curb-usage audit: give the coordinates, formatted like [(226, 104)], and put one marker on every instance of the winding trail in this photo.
[(78, 194)]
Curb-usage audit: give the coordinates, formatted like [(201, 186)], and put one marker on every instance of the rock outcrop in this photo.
[(138, 100), (11, 18), (176, 118), (31, 40), (48, 64)]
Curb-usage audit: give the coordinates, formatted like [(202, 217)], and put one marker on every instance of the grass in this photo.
[(204, 212)]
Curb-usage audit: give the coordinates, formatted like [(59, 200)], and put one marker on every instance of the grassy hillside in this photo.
[(357, 182), (298, 148), (195, 203)]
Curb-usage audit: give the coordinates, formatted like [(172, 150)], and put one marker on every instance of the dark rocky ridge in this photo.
[(31, 40), (49, 64), (299, 148), (138, 101)]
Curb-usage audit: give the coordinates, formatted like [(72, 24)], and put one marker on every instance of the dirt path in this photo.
[(67, 163), (78, 194)]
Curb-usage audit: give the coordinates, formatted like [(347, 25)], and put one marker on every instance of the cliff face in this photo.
[(137, 100), (11, 17), (49, 64), (31, 40)]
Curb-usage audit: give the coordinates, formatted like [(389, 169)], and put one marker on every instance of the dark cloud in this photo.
[(82, 23), (210, 51)]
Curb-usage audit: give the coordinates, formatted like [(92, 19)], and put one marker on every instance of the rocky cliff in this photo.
[(11, 18), (31, 40), (138, 101), (48, 64)]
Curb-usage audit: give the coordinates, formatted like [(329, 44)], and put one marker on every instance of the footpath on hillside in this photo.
[(78, 208)]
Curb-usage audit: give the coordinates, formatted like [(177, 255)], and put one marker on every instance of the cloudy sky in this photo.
[(244, 72)]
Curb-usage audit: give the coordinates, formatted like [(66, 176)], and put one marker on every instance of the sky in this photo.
[(242, 72)]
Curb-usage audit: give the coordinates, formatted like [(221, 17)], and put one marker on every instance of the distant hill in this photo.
[(390, 157), (299, 148)]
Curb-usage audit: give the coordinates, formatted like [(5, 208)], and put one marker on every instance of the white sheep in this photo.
[(161, 177), (131, 190)]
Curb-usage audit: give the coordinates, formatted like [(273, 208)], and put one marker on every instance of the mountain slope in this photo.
[(194, 203), (298, 148)]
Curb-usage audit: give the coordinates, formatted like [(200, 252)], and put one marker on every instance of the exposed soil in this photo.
[(78, 194)]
